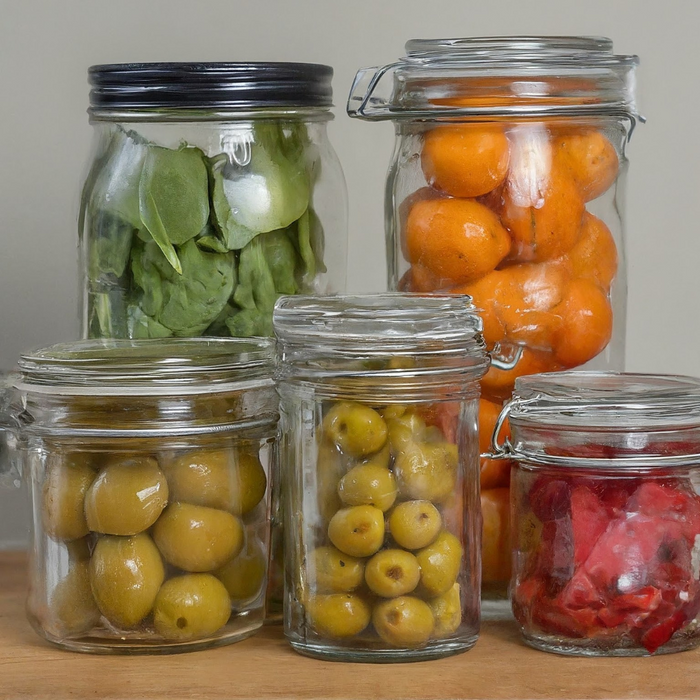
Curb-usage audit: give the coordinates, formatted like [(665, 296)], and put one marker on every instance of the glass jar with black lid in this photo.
[(212, 190)]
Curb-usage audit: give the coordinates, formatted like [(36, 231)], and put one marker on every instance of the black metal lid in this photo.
[(209, 85)]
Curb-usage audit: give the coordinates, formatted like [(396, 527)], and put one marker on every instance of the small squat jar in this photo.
[(606, 512), (148, 472), (379, 456)]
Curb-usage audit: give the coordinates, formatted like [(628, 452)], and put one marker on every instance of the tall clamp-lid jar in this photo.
[(212, 190), (507, 183), (148, 466), (379, 461), (606, 512)]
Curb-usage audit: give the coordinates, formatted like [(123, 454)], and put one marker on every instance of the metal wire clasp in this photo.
[(505, 450)]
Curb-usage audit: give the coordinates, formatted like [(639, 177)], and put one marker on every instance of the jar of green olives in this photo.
[(380, 460), (148, 465)]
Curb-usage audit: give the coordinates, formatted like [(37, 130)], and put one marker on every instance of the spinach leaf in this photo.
[(109, 244), (173, 198), (142, 326), (186, 304)]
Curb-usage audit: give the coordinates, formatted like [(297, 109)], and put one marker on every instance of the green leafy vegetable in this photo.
[(109, 244)]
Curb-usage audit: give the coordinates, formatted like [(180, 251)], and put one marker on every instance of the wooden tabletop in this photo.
[(499, 666)]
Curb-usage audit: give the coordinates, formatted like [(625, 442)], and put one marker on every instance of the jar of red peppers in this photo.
[(606, 512), (507, 184), (379, 459)]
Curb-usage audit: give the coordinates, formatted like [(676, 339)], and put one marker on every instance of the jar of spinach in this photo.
[(213, 189)]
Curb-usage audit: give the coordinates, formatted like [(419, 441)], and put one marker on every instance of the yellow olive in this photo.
[(414, 524), (338, 615), (223, 479), (331, 571), (357, 531), (125, 575), (404, 430), (79, 550), (356, 429), (392, 411), (329, 470), (403, 622), (370, 484), (244, 575), (72, 607), (67, 481), (440, 564), (196, 538), (126, 497), (193, 606), (447, 611), (392, 572), (427, 471)]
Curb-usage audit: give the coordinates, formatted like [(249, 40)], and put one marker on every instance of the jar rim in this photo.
[(158, 367)]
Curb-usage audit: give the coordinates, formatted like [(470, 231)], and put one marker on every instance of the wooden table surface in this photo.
[(499, 666)]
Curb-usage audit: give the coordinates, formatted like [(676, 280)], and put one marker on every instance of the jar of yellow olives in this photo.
[(148, 464), (380, 461)]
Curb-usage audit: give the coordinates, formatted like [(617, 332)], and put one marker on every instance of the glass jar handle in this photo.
[(505, 365), (10, 471), (363, 90)]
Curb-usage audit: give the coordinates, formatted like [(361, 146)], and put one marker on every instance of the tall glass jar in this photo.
[(606, 512), (379, 456), (148, 465), (507, 183), (212, 190)]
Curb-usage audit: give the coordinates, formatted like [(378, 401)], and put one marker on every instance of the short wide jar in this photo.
[(148, 470), (380, 462), (606, 512)]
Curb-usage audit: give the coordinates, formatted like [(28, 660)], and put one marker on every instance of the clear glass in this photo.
[(148, 464), (194, 224), (379, 452), (606, 513), (507, 183)]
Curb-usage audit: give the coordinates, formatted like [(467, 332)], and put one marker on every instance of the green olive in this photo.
[(440, 564), (67, 481), (126, 497), (223, 479), (357, 531), (338, 615), (125, 575), (331, 571), (414, 524), (403, 622), (404, 430), (392, 572), (193, 606), (329, 471), (427, 471), (196, 538), (392, 411), (356, 429), (369, 483), (72, 607), (79, 550), (447, 611), (244, 575)]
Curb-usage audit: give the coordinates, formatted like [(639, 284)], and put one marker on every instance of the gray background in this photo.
[(46, 47)]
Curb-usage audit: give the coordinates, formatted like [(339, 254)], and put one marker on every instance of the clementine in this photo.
[(457, 240), (497, 384), (493, 472), (594, 256), (495, 543)]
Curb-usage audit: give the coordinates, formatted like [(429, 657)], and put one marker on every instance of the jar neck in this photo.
[(218, 115)]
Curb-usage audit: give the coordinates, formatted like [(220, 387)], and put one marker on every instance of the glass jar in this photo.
[(606, 512), (507, 183), (212, 190), (379, 456), (148, 467)]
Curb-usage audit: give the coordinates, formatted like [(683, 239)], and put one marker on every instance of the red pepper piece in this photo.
[(589, 520), (581, 592), (659, 634), (549, 498)]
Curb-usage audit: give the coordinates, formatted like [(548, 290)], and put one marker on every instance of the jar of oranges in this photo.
[(379, 456), (148, 466), (507, 184)]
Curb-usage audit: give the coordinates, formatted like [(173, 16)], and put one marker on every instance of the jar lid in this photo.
[(490, 76), (162, 367), (582, 416), (249, 85)]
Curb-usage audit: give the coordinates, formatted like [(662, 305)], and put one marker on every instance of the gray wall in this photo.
[(46, 47)]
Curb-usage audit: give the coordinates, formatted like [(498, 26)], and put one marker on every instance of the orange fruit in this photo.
[(586, 323), (405, 207), (457, 240), (543, 213), (594, 256), (493, 472), (467, 160), (486, 298), (495, 542), (590, 159), (497, 384), (419, 279)]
